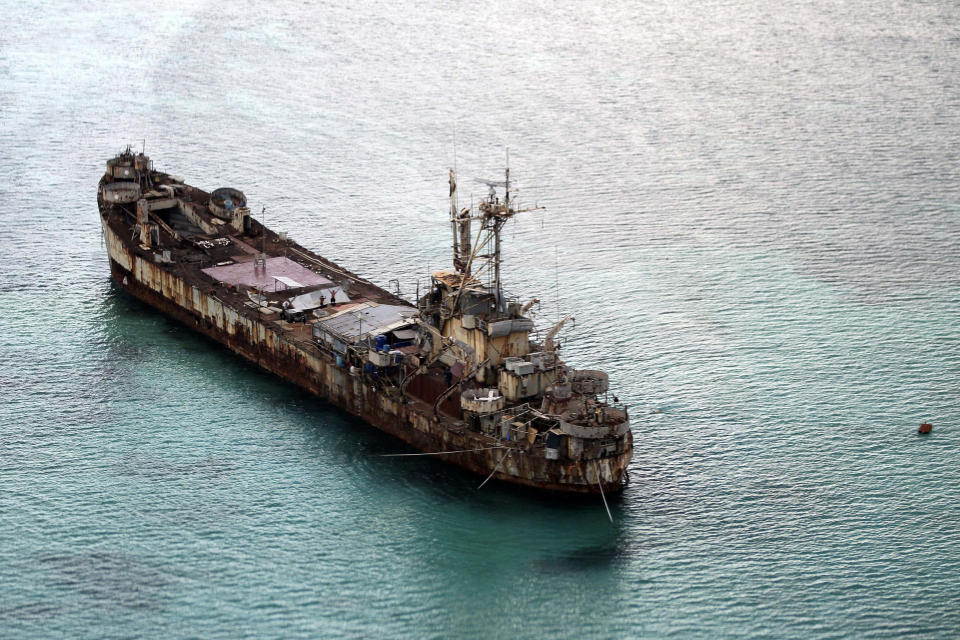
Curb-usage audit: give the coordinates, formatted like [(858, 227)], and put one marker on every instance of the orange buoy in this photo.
[(926, 427)]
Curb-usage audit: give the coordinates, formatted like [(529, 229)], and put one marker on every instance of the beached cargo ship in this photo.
[(462, 373)]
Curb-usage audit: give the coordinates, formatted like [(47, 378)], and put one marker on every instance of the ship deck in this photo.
[(225, 263)]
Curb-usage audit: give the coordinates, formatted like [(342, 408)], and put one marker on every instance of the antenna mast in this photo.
[(506, 181), (453, 217), (483, 254)]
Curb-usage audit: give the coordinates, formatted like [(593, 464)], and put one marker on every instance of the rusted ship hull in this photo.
[(412, 422)]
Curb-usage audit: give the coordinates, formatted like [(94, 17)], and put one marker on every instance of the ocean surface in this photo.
[(752, 210)]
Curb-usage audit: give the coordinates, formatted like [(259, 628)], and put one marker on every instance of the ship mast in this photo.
[(499, 226), (484, 253), (453, 219)]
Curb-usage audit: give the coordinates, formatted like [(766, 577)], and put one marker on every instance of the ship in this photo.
[(461, 373)]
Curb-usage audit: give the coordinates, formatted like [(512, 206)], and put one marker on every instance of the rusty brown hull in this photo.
[(405, 418)]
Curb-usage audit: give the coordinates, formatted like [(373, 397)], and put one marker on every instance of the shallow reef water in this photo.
[(751, 210)]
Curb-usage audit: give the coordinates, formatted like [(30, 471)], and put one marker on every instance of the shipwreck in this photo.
[(461, 373)]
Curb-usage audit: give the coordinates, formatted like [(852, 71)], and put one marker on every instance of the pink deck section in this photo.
[(244, 273)]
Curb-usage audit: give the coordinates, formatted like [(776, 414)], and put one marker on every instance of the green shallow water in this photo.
[(752, 213)]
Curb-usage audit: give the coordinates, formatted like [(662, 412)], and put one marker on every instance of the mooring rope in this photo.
[(436, 453), (600, 484), (502, 458)]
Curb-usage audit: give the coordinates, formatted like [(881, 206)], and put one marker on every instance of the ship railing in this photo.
[(519, 413), (510, 298), (619, 406)]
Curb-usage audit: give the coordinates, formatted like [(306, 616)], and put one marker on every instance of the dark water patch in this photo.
[(31, 612), (91, 411), (108, 579), (121, 355), (583, 559), (146, 467), (15, 385), (201, 524)]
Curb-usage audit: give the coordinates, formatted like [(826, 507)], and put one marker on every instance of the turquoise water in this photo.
[(752, 211)]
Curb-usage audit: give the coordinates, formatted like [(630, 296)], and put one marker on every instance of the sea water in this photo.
[(751, 209)]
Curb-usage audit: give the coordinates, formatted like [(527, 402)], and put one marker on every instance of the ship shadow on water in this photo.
[(600, 557)]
